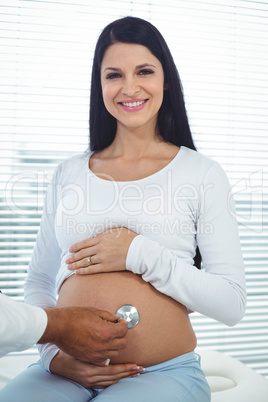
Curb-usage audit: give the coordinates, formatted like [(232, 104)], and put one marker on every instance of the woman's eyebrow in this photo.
[(112, 68), (145, 65), (137, 67)]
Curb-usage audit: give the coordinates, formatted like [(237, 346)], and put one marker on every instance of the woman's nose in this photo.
[(130, 87)]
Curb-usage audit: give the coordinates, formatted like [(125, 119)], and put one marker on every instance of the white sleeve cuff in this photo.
[(39, 319), (134, 252), (47, 352)]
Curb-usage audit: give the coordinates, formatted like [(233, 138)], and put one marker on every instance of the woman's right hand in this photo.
[(90, 375)]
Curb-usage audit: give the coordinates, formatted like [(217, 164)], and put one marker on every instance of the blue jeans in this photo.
[(177, 380)]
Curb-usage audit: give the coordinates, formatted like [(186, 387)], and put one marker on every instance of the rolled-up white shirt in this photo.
[(21, 325)]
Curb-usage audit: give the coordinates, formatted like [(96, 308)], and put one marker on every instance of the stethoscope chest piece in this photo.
[(130, 314)]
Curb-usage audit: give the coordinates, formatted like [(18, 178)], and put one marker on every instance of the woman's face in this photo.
[(132, 81)]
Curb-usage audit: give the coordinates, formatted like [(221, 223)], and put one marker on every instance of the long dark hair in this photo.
[(172, 121)]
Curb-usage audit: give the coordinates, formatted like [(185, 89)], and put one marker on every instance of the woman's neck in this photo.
[(135, 143)]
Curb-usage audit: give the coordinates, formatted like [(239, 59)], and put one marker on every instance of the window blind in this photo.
[(220, 50)]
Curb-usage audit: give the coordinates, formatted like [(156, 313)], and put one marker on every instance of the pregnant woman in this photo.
[(122, 225)]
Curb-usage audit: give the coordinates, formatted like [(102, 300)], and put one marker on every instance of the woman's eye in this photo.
[(112, 76), (146, 72)]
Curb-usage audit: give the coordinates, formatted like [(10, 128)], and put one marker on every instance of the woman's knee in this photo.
[(35, 383)]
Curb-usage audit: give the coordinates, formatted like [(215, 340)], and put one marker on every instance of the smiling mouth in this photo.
[(133, 104)]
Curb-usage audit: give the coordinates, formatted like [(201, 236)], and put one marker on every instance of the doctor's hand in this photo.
[(89, 334), (89, 375), (107, 252)]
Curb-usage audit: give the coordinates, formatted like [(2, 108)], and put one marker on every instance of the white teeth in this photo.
[(133, 104)]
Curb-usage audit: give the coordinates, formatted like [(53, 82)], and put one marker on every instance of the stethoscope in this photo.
[(130, 314)]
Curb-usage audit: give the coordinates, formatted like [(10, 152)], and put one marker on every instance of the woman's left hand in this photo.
[(107, 252)]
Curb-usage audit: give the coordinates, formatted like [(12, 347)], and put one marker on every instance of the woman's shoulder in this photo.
[(198, 166), (196, 156), (71, 167), (197, 160)]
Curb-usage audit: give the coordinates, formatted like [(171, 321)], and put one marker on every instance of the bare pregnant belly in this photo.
[(164, 330)]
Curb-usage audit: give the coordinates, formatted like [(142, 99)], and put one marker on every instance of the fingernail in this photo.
[(141, 369), (135, 375), (138, 368), (107, 362)]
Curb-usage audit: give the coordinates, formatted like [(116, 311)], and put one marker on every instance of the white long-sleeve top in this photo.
[(21, 325), (186, 204)]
